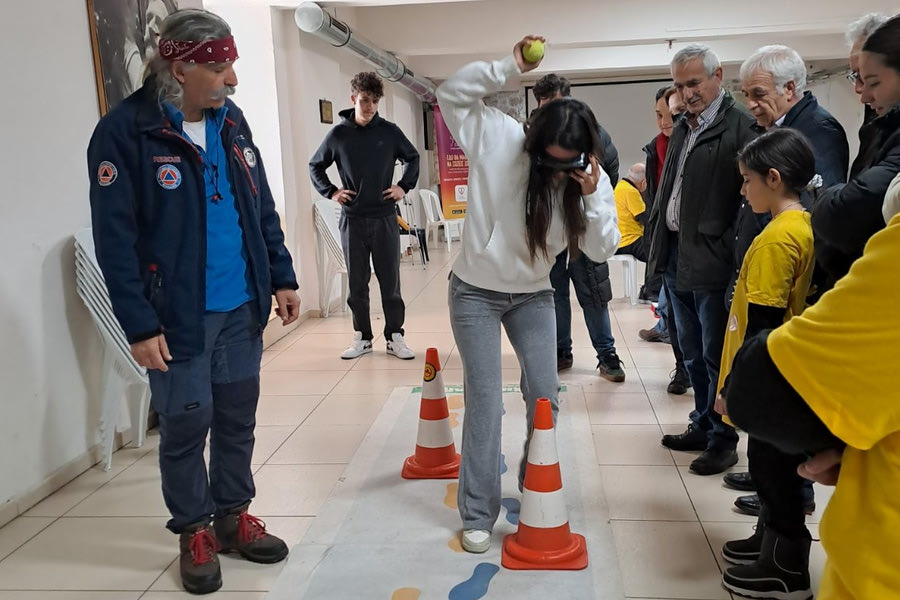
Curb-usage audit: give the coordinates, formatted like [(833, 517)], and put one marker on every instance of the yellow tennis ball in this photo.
[(534, 51)]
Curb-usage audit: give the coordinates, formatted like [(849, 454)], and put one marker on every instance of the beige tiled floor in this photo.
[(102, 537)]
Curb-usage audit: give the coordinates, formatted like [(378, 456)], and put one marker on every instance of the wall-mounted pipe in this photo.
[(311, 18)]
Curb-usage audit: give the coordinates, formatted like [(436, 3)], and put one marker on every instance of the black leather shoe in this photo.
[(680, 383), (712, 462), (749, 505), (563, 362), (739, 481), (692, 440)]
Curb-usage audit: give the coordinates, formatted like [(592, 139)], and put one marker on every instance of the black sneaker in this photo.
[(199, 563), (611, 368), (742, 482), (712, 462), (563, 361), (680, 383), (692, 440), (782, 570)]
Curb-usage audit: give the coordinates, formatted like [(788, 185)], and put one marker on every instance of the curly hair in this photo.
[(367, 82), (548, 86)]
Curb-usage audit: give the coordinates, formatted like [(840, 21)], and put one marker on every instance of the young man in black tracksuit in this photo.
[(366, 148)]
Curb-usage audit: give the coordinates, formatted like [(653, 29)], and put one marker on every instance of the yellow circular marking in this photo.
[(455, 544), (429, 372), (406, 594)]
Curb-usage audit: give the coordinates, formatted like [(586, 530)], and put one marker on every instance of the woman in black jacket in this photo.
[(846, 216)]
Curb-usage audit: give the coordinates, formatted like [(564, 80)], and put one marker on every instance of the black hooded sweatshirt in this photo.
[(365, 157)]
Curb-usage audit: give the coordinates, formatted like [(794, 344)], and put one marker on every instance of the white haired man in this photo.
[(192, 252), (773, 81), (692, 240)]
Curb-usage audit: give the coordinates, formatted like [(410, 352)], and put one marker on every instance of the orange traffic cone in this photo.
[(436, 456), (543, 540)]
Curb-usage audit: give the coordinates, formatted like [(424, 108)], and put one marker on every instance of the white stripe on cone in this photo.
[(542, 450), (434, 389), (544, 509), (434, 434)]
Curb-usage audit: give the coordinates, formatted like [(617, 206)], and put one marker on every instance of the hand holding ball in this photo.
[(534, 51)]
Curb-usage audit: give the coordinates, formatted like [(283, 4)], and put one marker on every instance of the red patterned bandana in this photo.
[(209, 52)]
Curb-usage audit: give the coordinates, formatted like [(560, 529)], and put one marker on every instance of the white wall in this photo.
[(307, 70), (50, 353)]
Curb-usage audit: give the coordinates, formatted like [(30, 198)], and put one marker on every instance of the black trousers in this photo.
[(779, 486), (377, 238)]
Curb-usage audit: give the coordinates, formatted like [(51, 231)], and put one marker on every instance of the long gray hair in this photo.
[(189, 24)]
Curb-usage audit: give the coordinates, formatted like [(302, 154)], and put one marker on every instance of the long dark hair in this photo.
[(569, 124), (886, 41), (787, 151)]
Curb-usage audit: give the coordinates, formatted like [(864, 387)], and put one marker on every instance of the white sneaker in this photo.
[(397, 346), (357, 348), (476, 541)]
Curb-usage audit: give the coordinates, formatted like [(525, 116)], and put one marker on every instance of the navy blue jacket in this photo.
[(148, 208)]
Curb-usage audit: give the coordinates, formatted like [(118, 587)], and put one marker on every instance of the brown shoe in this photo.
[(200, 571), (650, 335), (239, 531)]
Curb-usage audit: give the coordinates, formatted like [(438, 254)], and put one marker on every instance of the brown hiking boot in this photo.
[(239, 531), (200, 571)]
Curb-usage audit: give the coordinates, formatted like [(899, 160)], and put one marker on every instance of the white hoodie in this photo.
[(495, 253)]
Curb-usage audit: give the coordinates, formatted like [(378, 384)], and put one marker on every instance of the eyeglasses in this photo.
[(853, 77)]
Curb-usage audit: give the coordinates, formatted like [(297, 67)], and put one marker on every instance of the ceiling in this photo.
[(600, 39)]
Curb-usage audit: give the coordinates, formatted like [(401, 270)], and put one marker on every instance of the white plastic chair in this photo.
[(435, 220), (330, 253), (120, 371), (629, 275)]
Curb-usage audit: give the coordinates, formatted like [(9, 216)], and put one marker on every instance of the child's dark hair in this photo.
[(367, 82), (549, 85), (569, 124), (785, 150)]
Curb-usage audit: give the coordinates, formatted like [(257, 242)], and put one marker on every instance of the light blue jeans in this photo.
[(530, 322)]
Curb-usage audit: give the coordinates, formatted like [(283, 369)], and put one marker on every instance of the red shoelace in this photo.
[(250, 528), (203, 546)]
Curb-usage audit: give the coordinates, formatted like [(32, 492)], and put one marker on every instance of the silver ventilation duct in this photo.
[(311, 18)]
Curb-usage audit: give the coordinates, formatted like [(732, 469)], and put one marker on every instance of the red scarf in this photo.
[(662, 146)]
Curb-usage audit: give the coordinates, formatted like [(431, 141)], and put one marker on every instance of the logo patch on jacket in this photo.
[(168, 176), (250, 157), (106, 173)]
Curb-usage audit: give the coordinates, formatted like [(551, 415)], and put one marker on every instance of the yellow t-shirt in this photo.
[(776, 272), (629, 204), (839, 355)]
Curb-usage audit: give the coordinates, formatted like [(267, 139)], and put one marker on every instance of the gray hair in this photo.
[(859, 30), (692, 51), (637, 172), (189, 24), (784, 64)]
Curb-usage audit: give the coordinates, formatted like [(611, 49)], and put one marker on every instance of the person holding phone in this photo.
[(533, 191)]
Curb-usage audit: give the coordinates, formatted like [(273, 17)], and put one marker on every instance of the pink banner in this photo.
[(454, 170)]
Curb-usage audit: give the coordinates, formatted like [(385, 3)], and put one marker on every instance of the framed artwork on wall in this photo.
[(123, 33), (326, 113)]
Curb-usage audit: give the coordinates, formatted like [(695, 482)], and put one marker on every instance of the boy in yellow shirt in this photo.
[(771, 288)]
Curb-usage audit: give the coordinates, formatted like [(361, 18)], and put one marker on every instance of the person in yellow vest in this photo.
[(632, 212), (772, 287)]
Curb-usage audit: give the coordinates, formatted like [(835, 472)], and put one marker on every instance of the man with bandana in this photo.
[(192, 252)]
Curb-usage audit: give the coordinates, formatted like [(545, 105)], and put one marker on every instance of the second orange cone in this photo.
[(436, 456), (544, 540)]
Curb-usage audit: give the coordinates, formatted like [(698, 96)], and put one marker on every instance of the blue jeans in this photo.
[(592, 288), (700, 319), (216, 393), (476, 315)]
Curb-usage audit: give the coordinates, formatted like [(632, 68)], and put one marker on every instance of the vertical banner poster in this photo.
[(454, 170)]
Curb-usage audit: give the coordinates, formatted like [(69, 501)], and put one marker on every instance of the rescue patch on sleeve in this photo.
[(168, 176), (250, 157), (106, 173)]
